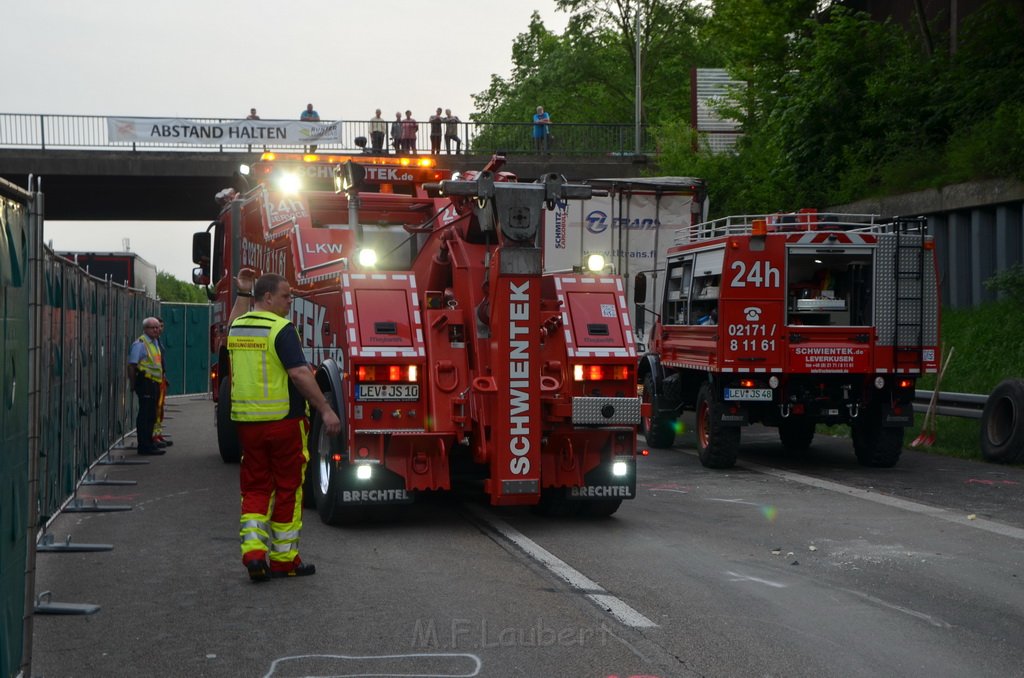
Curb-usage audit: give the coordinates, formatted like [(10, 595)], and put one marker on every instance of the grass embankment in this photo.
[(989, 343)]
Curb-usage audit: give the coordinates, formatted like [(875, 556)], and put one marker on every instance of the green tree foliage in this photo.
[(839, 107), (169, 288), (587, 74)]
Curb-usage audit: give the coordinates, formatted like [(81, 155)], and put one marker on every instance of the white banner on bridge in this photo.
[(240, 132)]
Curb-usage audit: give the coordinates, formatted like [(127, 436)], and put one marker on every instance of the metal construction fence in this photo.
[(65, 398), (90, 132)]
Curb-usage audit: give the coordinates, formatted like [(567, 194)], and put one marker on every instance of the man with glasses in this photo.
[(146, 373), (270, 384)]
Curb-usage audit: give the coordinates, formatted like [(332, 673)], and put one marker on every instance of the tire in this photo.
[(717, 444), (1002, 423), (324, 475), (600, 508), (876, 445), (660, 432), (796, 434), (554, 504), (227, 434)]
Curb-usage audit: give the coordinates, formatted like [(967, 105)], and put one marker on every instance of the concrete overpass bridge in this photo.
[(89, 172)]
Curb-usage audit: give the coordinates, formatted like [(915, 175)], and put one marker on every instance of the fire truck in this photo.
[(445, 350), (792, 320)]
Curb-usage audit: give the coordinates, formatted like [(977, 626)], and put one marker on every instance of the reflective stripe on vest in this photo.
[(151, 366), (259, 382)]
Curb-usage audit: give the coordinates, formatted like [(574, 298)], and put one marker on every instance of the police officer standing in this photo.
[(270, 383), (146, 373)]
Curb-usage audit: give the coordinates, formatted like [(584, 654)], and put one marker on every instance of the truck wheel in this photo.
[(796, 434), (554, 504), (227, 434), (876, 445), (717, 445), (659, 432), (1002, 423), (600, 508), (324, 475)]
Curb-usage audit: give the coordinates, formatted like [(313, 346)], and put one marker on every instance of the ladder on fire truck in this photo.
[(909, 262)]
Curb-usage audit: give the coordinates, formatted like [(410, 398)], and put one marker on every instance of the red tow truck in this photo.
[(444, 348), (792, 320)]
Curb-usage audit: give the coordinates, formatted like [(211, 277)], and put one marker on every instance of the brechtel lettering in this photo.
[(374, 495), (519, 377), (602, 491)]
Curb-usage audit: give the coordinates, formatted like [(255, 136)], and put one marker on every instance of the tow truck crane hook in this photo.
[(854, 410), (784, 410)]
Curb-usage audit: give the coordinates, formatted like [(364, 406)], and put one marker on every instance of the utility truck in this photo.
[(792, 320)]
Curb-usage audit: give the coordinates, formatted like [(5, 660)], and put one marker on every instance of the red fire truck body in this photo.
[(452, 356), (793, 320)]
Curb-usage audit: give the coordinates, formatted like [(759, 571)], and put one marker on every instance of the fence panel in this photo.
[(14, 457)]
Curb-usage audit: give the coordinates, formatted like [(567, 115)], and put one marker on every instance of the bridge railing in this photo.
[(90, 132)]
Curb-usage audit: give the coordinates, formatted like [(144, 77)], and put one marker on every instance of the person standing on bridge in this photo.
[(451, 132), (146, 373), (270, 383), (252, 115), (396, 133), (409, 130), (541, 122), (309, 115), (435, 132), (378, 129)]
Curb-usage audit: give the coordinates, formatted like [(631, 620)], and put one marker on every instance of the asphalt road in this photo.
[(780, 567)]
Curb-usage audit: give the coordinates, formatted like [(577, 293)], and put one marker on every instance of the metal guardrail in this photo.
[(965, 405), (89, 132)]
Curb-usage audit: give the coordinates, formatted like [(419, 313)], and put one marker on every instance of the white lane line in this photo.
[(734, 501), (757, 580), (899, 608), (895, 502), (576, 579), (624, 613)]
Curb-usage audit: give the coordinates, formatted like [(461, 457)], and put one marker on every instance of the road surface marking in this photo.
[(895, 502), (756, 580), (421, 657), (576, 579)]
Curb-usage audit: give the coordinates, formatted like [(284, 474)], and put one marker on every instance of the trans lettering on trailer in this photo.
[(597, 222), (519, 377)]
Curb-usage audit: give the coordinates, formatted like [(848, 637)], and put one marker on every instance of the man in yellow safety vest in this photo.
[(270, 384), (146, 373)]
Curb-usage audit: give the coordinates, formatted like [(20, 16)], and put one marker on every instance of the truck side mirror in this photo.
[(201, 249), (640, 289), (200, 276)]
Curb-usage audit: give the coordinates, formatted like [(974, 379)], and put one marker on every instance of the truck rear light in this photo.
[(601, 372), (906, 383), (388, 373), (747, 383)]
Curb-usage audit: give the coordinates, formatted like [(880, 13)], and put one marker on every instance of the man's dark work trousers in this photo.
[(148, 392)]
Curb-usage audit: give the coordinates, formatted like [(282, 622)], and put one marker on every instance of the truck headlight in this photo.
[(289, 183), (595, 263), (367, 257)]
